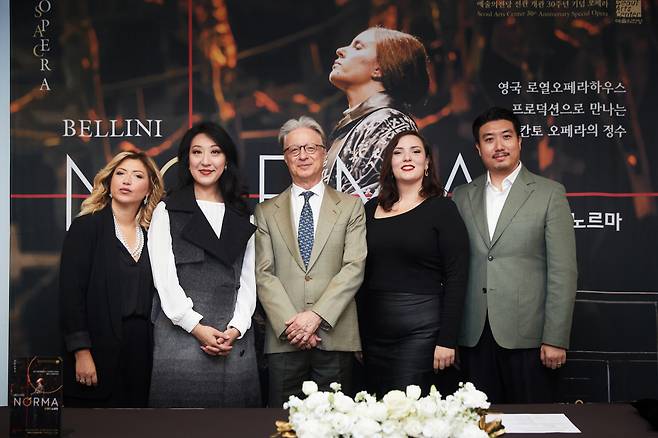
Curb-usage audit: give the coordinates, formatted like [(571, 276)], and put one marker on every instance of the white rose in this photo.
[(375, 411), (472, 431), (452, 407), (437, 428), (343, 403), (292, 403), (392, 428), (309, 387), (413, 427), (397, 404), (378, 411), (297, 418), (366, 428), (413, 392), (314, 429), (318, 403), (363, 396), (426, 407), (341, 423), (335, 386), (471, 398)]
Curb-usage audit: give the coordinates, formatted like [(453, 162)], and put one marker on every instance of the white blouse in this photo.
[(174, 301)]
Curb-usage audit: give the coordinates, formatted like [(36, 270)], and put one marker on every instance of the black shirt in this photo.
[(136, 284), (423, 251)]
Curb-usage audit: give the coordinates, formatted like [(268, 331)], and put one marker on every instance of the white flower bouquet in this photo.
[(399, 414)]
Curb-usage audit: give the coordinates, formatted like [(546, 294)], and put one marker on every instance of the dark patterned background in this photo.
[(258, 63)]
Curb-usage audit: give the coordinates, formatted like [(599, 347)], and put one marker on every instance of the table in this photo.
[(594, 420)]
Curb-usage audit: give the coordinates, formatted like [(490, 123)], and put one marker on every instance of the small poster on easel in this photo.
[(35, 396)]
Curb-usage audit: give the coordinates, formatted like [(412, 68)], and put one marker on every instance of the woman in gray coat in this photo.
[(202, 246)]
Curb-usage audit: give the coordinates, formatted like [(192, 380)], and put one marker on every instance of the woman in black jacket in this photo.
[(106, 287)]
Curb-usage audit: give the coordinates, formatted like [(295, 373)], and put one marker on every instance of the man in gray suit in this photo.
[(522, 282), (310, 259)]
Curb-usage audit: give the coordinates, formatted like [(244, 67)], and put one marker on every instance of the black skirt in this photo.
[(400, 331)]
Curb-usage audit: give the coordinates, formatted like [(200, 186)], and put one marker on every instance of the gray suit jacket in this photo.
[(334, 274), (524, 278)]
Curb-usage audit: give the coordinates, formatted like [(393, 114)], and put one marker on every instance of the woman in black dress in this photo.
[(106, 287), (411, 301)]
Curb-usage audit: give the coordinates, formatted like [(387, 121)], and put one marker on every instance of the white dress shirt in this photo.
[(174, 301), (297, 203), (495, 198)]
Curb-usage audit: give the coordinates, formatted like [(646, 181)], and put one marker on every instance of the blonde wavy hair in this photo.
[(100, 194)]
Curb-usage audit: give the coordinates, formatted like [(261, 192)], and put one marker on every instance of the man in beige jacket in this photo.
[(310, 259)]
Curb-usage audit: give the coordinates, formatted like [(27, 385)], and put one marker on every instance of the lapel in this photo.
[(236, 232), (236, 228), (329, 212), (479, 207), (283, 218), (519, 192), (113, 286)]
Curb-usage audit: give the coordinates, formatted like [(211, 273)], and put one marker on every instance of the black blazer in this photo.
[(90, 301)]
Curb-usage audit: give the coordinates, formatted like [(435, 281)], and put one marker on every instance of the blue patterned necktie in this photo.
[(305, 230)]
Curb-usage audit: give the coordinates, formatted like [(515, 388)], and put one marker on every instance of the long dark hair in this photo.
[(230, 183), (388, 189)]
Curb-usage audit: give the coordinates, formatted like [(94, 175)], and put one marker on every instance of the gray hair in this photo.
[(302, 122)]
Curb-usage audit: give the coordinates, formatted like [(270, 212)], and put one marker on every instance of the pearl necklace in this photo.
[(137, 251)]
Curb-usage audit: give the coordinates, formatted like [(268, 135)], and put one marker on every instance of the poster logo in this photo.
[(628, 11), (41, 47)]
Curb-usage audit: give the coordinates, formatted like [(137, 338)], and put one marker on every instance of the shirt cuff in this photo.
[(324, 325), (190, 320), (239, 327)]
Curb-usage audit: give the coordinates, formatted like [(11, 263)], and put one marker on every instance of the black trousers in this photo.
[(288, 371), (508, 375)]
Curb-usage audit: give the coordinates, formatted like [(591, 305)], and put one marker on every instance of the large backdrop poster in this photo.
[(91, 78)]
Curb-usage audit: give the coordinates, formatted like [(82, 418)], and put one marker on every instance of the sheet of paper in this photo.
[(535, 423)]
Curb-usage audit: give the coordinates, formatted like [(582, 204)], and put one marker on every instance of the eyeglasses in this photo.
[(295, 150)]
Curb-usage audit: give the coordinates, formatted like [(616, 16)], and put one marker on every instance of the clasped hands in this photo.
[(302, 328), (214, 342)]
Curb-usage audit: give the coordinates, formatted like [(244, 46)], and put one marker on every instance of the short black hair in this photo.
[(492, 114)]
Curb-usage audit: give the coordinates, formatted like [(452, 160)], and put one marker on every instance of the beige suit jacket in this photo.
[(334, 275)]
